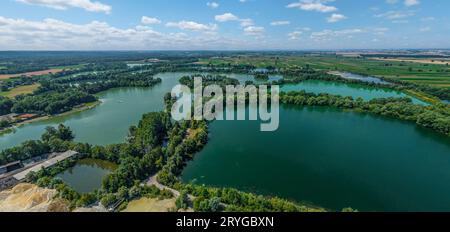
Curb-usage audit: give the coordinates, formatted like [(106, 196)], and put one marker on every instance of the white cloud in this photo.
[(149, 20), (192, 26), (246, 22), (295, 35), (52, 34), (380, 30), (231, 17), (425, 29), (65, 4), (226, 17), (336, 18), (411, 2), (313, 5), (213, 5), (254, 31), (395, 15), (326, 35), (280, 23)]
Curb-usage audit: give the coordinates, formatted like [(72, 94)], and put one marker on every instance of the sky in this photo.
[(223, 24)]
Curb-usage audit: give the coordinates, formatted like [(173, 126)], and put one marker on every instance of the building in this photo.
[(26, 116), (21, 176), (10, 167)]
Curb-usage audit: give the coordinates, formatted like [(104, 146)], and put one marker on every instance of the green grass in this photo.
[(68, 67), (26, 89), (431, 74)]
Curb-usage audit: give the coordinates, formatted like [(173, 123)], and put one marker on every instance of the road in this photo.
[(153, 181)]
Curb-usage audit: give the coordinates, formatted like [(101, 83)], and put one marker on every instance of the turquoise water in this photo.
[(108, 123), (344, 89), (330, 158)]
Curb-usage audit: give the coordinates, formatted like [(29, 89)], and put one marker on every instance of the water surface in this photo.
[(87, 175), (108, 123), (330, 158), (344, 89), (368, 79)]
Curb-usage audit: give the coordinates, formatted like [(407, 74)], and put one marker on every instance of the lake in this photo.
[(352, 76), (108, 123), (355, 90), (330, 158), (324, 156), (87, 175)]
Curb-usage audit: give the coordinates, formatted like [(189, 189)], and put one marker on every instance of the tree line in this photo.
[(435, 117)]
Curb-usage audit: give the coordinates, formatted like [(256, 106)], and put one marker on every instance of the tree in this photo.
[(108, 199), (214, 204), (5, 105), (62, 132), (4, 124), (182, 201), (65, 133)]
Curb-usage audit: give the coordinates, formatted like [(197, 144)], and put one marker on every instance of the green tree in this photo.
[(182, 202)]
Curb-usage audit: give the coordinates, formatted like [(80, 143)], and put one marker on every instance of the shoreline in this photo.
[(411, 93), (87, 106)]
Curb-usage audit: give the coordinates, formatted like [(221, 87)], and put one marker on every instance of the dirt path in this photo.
[(153, 181)]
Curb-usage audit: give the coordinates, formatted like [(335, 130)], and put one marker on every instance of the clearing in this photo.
[(151, 205), (26, 89)]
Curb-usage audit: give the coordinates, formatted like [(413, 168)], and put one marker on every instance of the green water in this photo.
[(332, 159), (327, 157), (87, 175), (108, 123), (355, 90)]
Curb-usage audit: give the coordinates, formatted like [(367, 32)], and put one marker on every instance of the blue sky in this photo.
[(223, 24)]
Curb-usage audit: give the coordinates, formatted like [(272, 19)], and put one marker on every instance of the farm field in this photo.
[(36, 73), (420, 61), (437, 75), (26, 89)]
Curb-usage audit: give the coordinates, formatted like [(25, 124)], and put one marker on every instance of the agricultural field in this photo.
[(36, 73), (26, 89), (421, 73), (420, 61), (68, 67)]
